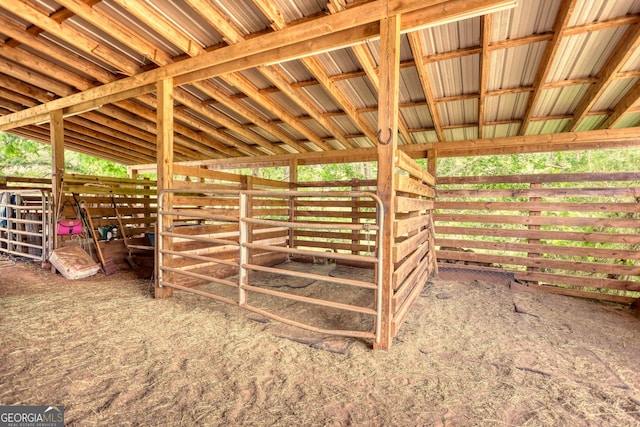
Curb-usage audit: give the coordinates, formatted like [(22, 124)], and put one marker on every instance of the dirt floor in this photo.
[(472, 352)]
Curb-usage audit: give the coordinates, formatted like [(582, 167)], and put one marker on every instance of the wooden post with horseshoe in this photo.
[(387, 147)]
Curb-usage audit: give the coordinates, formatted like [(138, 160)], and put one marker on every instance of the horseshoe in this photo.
[(388, 139)]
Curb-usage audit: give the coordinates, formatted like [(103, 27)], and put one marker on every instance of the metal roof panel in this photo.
[(530, 17), (505, 107), (559, 101), (455, 76), (572, 63), (515, 66), (613, 93)]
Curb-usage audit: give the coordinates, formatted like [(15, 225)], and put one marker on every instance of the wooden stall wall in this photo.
[(205, 215), (575, 234), (122, 212), (333, 211), (24, 183), (414, 248)]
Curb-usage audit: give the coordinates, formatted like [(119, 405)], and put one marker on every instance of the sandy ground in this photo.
[(470, 353)]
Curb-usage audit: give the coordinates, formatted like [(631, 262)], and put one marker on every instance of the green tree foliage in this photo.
[(23, 157), (610, 160)]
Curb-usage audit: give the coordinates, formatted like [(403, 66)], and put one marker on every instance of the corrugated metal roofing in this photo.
[(339, 98)]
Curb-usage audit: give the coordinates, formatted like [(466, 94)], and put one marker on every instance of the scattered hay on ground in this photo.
[(111, 354)]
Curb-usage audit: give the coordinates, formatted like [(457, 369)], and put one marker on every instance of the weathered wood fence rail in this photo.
[(413, 235), (577, 232)]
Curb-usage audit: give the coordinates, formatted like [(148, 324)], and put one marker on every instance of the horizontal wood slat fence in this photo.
[(414, 256), (575, 234), (115, 208)]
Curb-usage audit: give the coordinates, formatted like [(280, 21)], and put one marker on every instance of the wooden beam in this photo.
[(415, 41), (485, 61), (386, 150), (515, 144), (548, 57), (625, 50), (624, 106), (591, 27), (345, 28), (67, 33), (57, 157), (164, 172)]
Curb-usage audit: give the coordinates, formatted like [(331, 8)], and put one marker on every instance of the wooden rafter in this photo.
[(74, 37), (485, 35), (191, 47), (560, 24), (244, 85), (415, 42), (625, 49), (155, 20), (297, 95), (80, 63), (275, 76), (367, 62), (623, 106)]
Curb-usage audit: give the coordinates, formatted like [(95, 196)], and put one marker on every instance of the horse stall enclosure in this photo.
[(308, 254), (574, 234)]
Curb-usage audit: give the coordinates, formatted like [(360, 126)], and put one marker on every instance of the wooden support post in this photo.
[(165, 174), (387, 148), (246, 183), (293, 185), (56, 127), (432, 162), (243, 237), (534, 185), (432, 168)]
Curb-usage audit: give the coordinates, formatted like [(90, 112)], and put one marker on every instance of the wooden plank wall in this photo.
[(24, 183), (333, 211), (135, 200), (414, 248), (193, 235), (575, 234)]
